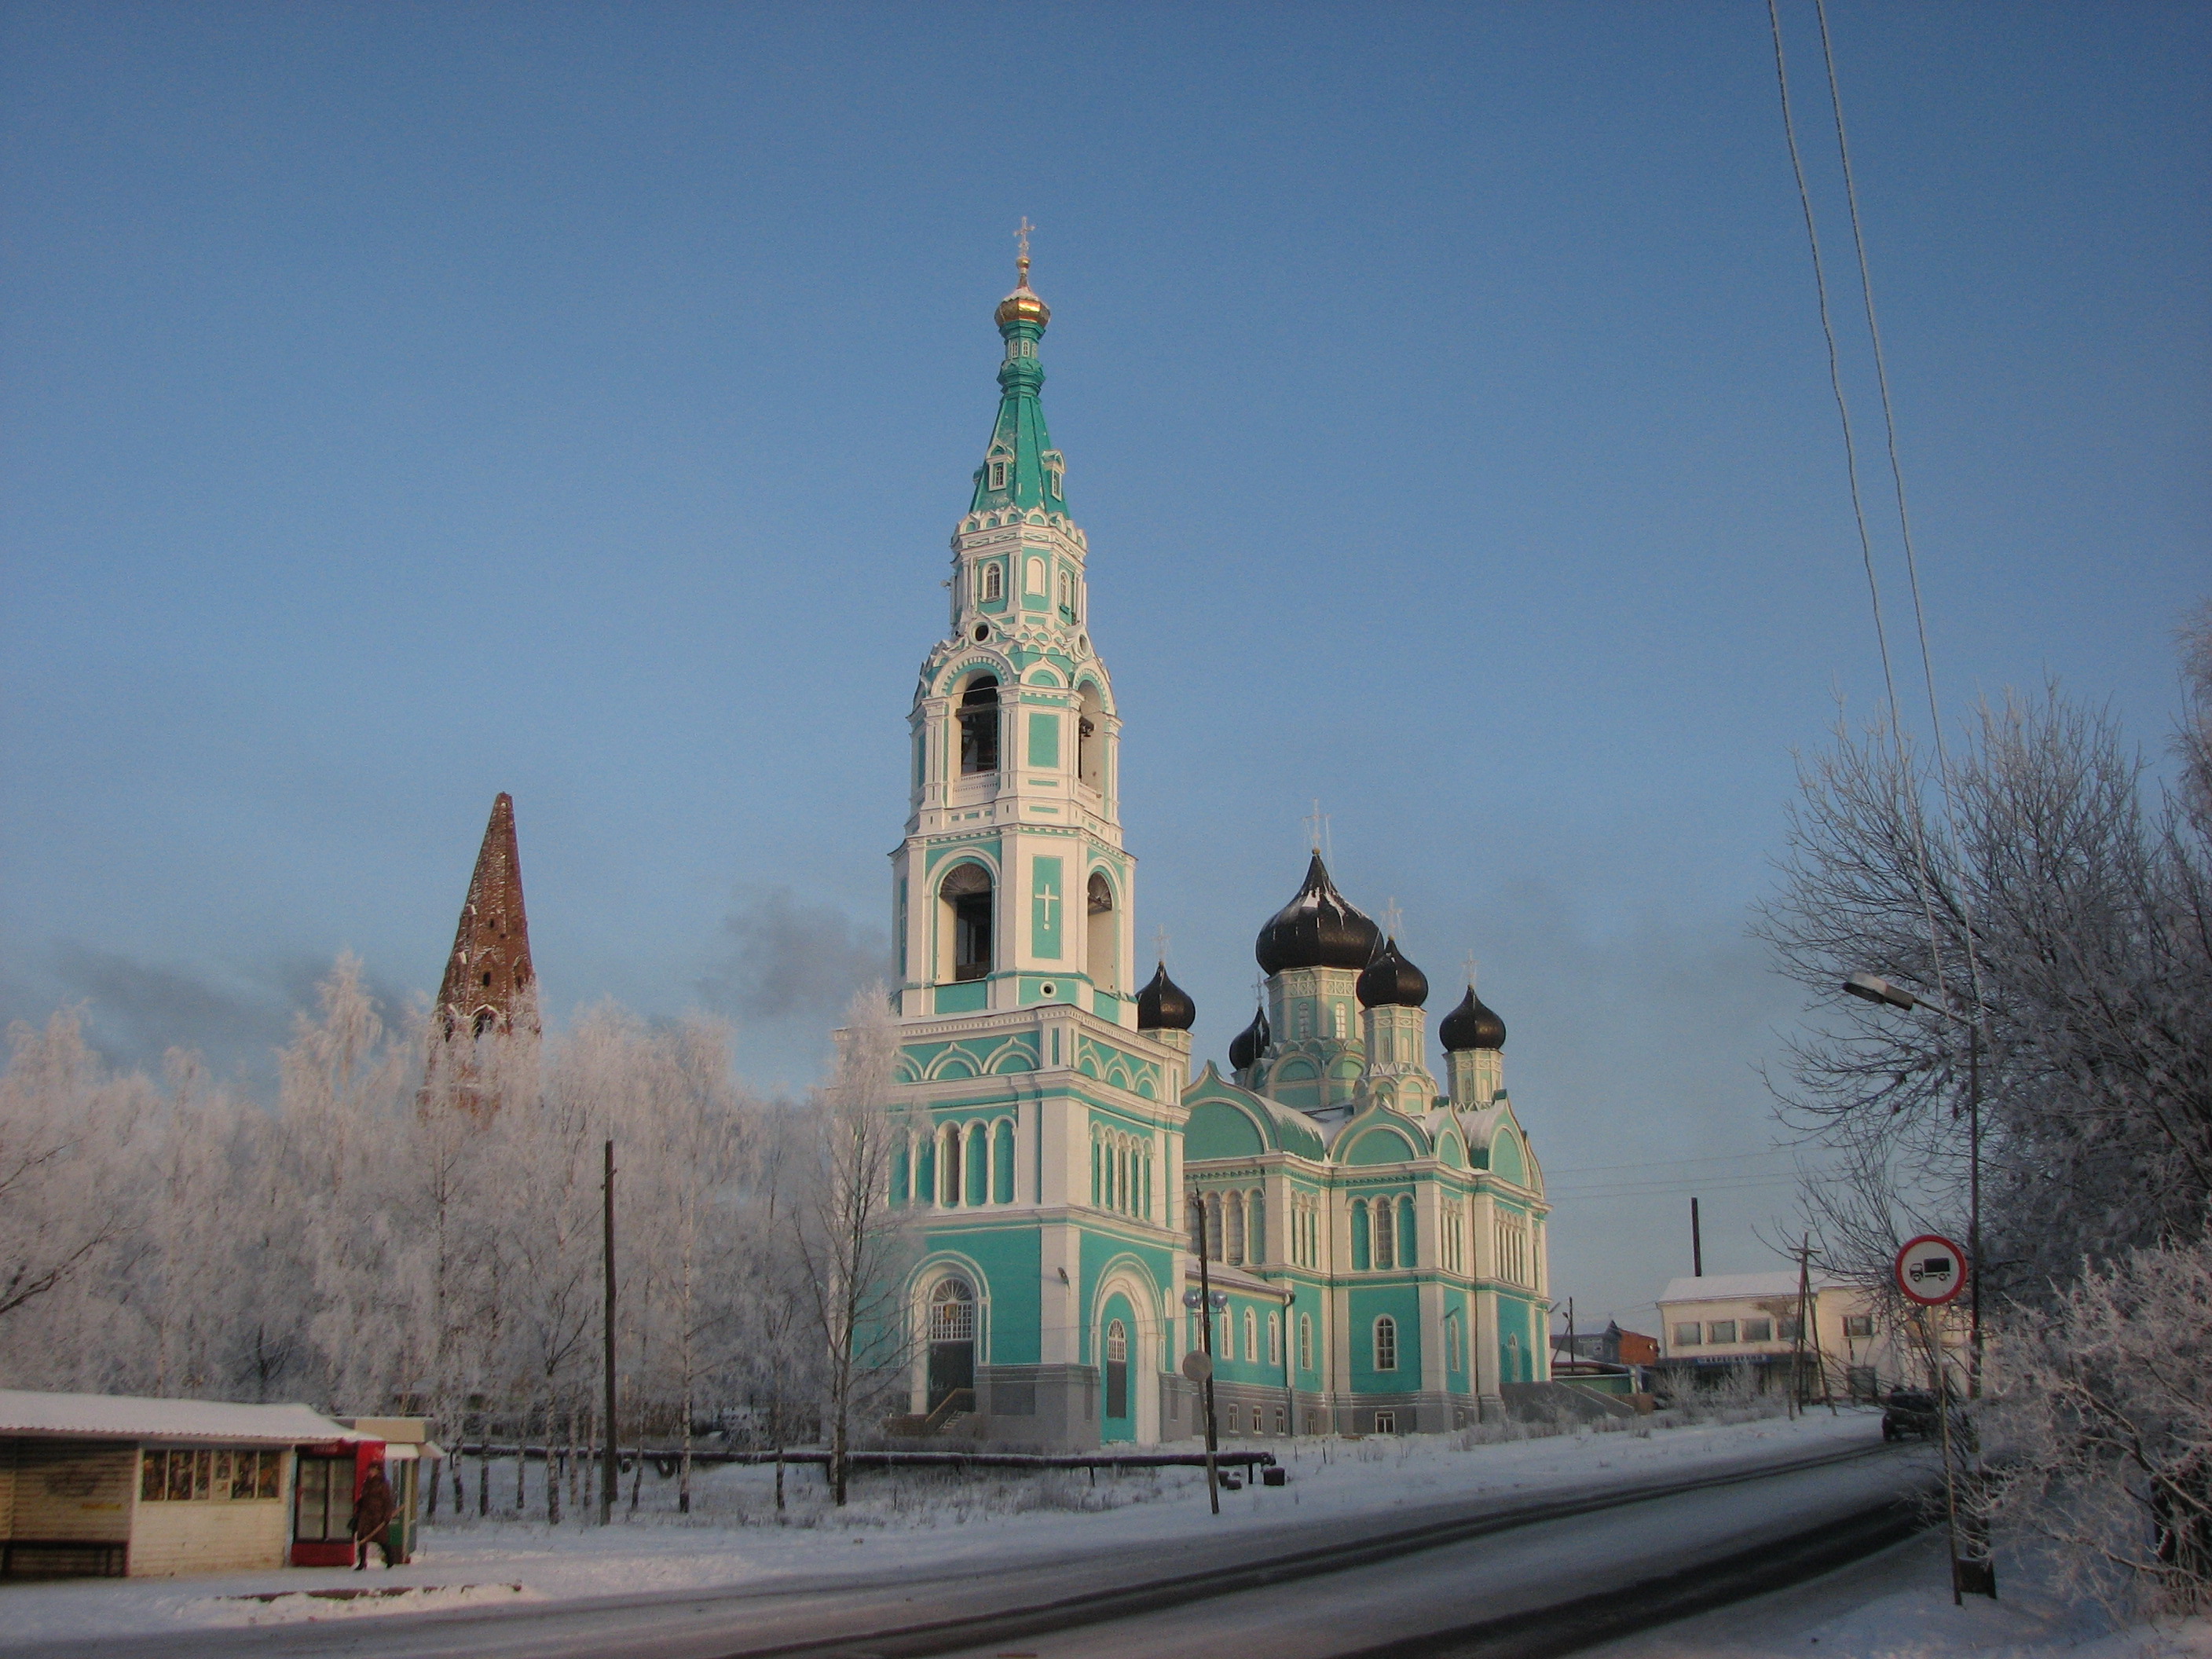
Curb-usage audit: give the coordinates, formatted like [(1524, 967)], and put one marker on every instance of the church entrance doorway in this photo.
[(1118, 1405), (952, 1340)]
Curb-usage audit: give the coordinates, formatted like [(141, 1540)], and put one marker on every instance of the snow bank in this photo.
[(906, 1522)]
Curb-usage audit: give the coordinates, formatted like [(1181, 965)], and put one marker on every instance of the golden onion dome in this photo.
[(1023, 305)]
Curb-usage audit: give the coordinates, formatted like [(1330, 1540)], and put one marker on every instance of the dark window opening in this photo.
[(484, 1018), (979, 727), (967, 893), (487, 978)]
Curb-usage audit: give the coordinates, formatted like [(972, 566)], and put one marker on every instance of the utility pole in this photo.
[(1205, 1324), (1797, 1390), (611, 1474), (1696, 1244), (1573, 1352)]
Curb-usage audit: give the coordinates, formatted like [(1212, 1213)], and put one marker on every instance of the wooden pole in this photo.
[(610, 1474), (1205, 1325), (1696, 1244)]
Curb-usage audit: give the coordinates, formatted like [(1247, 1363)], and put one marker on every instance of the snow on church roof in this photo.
[(127, 1417)]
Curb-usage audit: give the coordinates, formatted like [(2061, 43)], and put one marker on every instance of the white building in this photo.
[(1728, 1324)]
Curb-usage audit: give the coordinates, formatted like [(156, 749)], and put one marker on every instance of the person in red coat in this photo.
[(372, 1518)]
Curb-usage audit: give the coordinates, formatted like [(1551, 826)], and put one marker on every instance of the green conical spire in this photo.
[(1021, 468)]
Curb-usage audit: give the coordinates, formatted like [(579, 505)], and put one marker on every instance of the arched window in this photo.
[(1213, 1226), (994, 580), (1255, 1226), (1305, 1342), (1101, 934), (979, 1163), (1275, 1339), (948, 1164), (1386, 1344), (979, 725), (1033, 570), (1067, 595), (1197, 1225), (967, 900), (1251, 1337), (902, 1172), (925, 1170), (1362, 1246), (998, 474), (1090, 714), (1235, 1205), (1408, 1257), (1452, 1356), (1117, 1369), (1002, 1161), (1385, 1254)]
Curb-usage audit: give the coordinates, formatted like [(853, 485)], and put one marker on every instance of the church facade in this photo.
[(1375, 1243)]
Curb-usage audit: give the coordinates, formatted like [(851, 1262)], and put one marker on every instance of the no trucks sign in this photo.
[(1931, 1270)]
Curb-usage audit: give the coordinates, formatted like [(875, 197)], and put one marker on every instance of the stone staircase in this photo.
[(955, 1408)]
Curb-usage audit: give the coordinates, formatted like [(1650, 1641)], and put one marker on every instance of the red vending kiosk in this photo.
[(323, 1494)]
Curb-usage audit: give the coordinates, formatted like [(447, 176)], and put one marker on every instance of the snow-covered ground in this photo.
[(920, 1523), (1897, 1605)]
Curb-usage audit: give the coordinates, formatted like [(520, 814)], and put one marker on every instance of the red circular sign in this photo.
[(1931, 1270)]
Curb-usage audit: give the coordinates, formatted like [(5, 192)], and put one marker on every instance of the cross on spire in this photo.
[(1022, 249), (1470, 970), (1393, 918), (1160, 944), (1316, 822)]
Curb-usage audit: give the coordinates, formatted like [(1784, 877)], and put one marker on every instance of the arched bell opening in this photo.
[(979, 725), (966, 906), (1089, 739), (1101, 944)]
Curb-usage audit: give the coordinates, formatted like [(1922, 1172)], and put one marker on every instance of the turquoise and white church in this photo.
[(1376, 1242)]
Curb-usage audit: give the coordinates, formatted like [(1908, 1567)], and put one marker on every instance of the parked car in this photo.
[(1910, 1412)]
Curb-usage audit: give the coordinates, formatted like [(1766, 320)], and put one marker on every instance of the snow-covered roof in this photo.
[(127, 1417), (1724, 1287)]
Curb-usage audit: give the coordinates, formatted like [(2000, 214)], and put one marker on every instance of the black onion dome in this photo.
[(1474, 1024), (1392, 982), (1248, 1044), (1164, 1006), (1318, 928)]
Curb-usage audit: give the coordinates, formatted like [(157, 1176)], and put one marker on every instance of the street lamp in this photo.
[(1872, 987)]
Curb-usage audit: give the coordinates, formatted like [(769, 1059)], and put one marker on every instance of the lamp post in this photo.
[(1872, 988)]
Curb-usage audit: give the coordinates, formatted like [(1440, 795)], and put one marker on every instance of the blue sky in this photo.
[(408, 403)]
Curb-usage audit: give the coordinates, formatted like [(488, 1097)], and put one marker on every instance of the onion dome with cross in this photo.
[(1390, 980), (1318, 928), (1473, 1024)]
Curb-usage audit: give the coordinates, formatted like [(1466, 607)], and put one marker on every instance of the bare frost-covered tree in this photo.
[(2102, 1443), (2084, 892), (71, 1190), (853, 1241), (2046, 889)]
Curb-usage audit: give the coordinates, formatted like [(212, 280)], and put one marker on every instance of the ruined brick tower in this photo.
[(490, 987)]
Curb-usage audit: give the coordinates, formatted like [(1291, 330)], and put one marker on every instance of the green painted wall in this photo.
[(1012, 1261), (1044, 741), (1045, 907), (1403, 1304)]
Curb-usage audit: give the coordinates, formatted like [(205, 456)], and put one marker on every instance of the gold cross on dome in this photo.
[(1022, 248), (1470, 970), (1160, 943)]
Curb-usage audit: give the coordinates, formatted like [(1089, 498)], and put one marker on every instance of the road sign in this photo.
[(1198, 1365), (1931, 1270)]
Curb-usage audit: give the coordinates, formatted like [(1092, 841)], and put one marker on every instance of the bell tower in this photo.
[(1041, 1162), (1011, 887)]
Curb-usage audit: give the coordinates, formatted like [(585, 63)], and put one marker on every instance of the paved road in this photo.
[(1474, 1576)]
